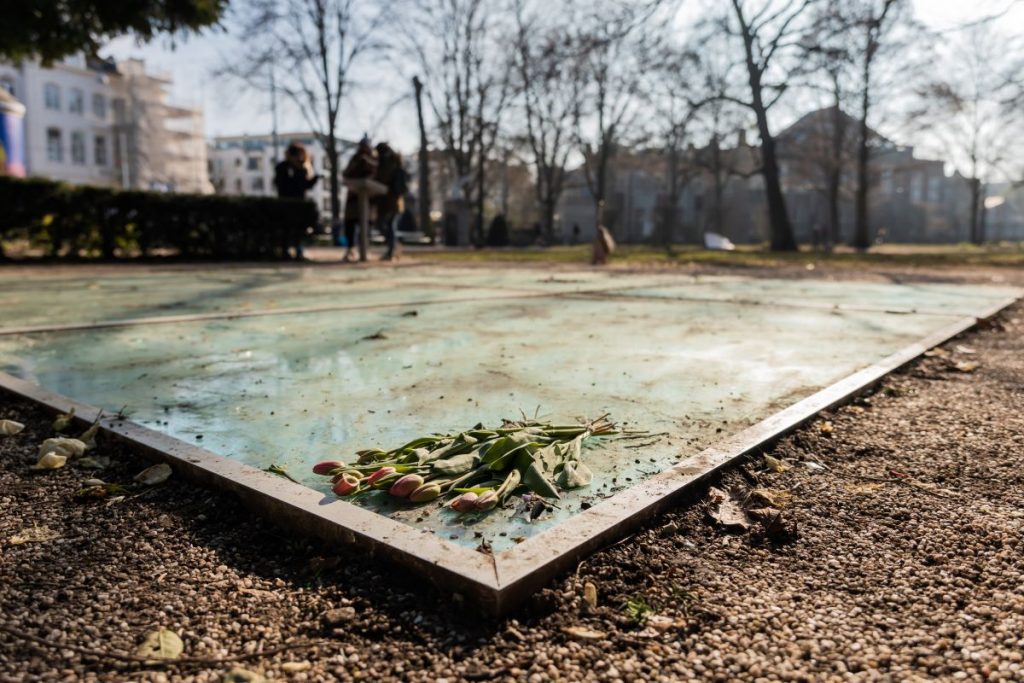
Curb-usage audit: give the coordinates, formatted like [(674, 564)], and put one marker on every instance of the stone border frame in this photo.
[(498, 582)]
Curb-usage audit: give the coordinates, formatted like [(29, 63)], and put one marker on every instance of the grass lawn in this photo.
[(1006, 254)]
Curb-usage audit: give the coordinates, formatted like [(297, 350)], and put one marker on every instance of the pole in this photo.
[(364, 224), (273, 115), (424, 167)]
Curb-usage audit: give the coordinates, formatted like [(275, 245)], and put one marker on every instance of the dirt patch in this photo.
[(905, 562)]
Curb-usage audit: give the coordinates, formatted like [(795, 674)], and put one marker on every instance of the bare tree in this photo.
[(675, 101), (873, 19), (832, 59), (768, 31), (718, 118), (613, 51), (320, 44), (966, 114), (548, 87), (466, 81)]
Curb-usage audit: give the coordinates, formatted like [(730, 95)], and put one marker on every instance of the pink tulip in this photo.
[(465, 502), (425, 493), (346, 473), (379, 474), (406, 485), (487, 501), (327, 466), (346, 485)]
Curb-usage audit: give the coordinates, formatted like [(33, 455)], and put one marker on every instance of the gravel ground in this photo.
[(900, 556)]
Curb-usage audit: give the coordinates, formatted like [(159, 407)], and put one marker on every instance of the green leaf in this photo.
[(161, 644), (456, 465), (534, 478), (574, 475), (512, 480), (474, 489)]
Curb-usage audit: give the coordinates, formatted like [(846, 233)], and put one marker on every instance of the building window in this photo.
[(257, 185), (100, 150), (253, 164), (78, 147), (51, 95), (238, 186), (238, 162), (119, 111), (917, 189), (99, 106), (76, 101), (54, 145)]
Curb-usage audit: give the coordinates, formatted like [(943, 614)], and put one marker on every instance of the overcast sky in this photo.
[(230, 111)]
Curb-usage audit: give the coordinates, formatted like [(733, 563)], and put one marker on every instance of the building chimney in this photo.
[(741, 141)]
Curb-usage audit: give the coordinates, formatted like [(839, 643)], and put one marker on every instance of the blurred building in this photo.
[(100, 122), (720, 189), (244, 165)]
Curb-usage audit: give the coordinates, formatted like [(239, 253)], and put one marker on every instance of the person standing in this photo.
[(390, 173), (361, 165), (294, 176)]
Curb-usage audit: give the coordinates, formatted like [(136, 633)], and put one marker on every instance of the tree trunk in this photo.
[(975, 222), (861, 236), (835, 174), (671, 201), (717, 214), (778, 216), (480, 185), (424, 161), (548, 219), (599, 189), (332, 163)]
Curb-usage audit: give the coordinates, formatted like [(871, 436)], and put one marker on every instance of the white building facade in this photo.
[(244, 165), (92, 122)]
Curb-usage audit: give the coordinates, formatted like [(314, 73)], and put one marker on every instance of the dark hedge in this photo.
[(82, 221)]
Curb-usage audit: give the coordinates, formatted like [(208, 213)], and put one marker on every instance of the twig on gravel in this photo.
[(132, 659)]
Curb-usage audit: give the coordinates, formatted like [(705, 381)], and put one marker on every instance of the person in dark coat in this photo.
[(294, 176), (363, 164), (390, 204)]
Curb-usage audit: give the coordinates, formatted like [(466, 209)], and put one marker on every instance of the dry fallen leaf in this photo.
[(960, 348), (63, 421), (967, 365), (10, 427), (938, 352), (863, 488), (774, 498), (161, 644), (90, 463), (590, 595), (774, 464), (582, 633), (35, 534), (726, 511), (157, 474), (661, 623), (825, 427), (62, 446), (50, 461), (296, 667)]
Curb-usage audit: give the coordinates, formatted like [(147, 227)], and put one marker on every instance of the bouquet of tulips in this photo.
[(478, 468)]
